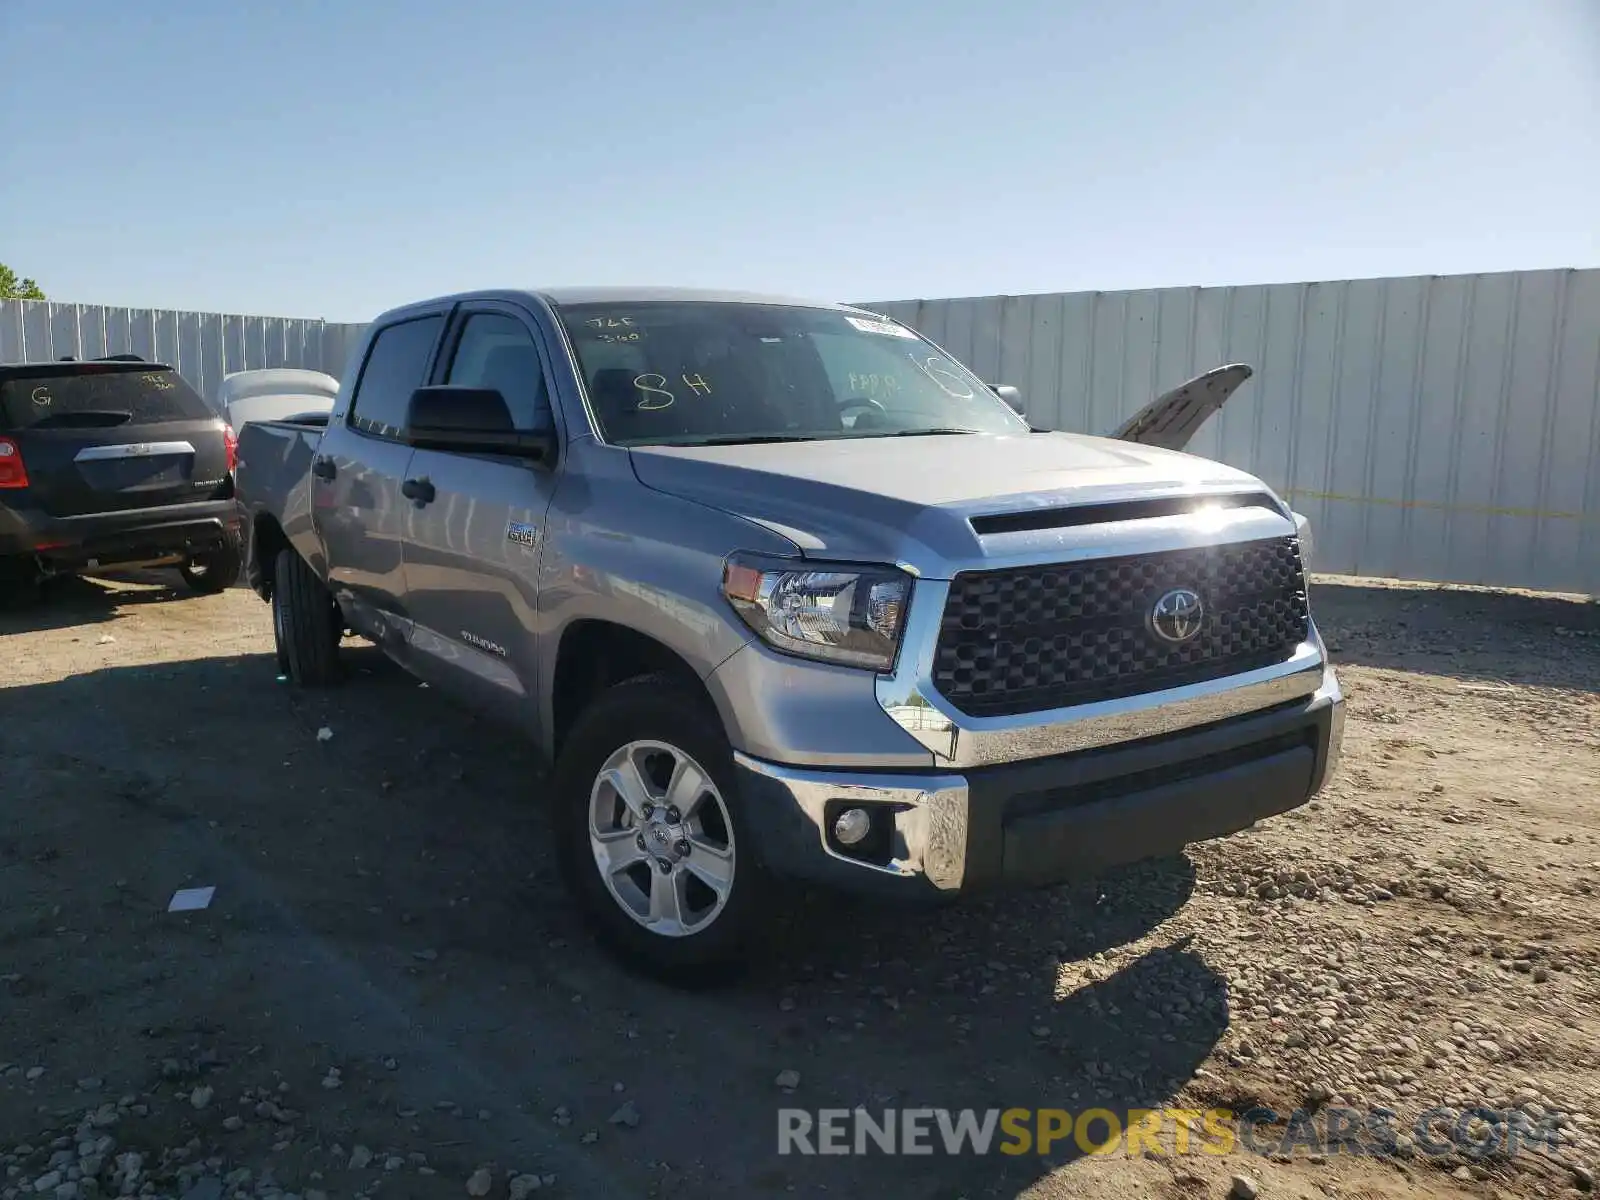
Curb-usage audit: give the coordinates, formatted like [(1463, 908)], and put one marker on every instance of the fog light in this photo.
[(851, 826)]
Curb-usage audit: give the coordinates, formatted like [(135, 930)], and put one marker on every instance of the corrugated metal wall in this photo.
[(202, 346), (1444, 428)]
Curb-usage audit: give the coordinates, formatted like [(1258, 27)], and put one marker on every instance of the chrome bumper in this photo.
[(928, 813), (951, 832)]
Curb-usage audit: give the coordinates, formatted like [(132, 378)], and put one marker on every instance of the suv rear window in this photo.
[(80, 395)]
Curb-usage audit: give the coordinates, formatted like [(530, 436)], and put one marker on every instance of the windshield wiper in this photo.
[(756, 439), (749, 439)]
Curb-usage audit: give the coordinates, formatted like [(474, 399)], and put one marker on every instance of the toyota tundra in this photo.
[(783, 590)]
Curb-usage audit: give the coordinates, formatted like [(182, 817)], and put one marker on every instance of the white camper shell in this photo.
[(276, 394)]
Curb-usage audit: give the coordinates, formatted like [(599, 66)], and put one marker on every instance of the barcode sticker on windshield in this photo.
[(884, 327)]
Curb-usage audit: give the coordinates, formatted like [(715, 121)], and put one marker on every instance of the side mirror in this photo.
[(1010, 395), (472, 420)]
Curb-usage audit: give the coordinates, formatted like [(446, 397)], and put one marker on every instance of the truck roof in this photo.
[(625, 295), (619, 295)]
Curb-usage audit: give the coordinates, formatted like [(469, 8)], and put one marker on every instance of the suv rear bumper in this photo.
[(64, 545), (1045, 820)]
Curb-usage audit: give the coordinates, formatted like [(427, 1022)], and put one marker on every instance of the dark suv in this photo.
[(112, 463)]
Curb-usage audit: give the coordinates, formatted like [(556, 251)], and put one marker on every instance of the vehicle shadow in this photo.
[(1031, 1001), (70, 600), (412, 833), (1503, 637)]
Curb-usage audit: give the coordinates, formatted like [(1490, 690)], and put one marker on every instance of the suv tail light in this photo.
[(230, 442), (13, 474)]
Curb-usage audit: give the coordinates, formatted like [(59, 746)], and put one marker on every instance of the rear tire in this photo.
[(306, 623), (214, 572), (690, 922), (19, 584)]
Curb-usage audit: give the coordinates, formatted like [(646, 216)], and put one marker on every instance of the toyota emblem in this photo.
[(1177, 616)]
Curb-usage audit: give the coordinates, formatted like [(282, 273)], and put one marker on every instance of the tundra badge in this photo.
[(523, 535), (483, 644)]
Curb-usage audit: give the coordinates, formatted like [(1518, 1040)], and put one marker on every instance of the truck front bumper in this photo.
[(1044, 820)]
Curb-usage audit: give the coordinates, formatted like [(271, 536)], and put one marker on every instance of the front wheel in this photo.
[(652, 836)]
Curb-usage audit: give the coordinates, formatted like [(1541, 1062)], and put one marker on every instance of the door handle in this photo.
[(420, 490), (322, 467)]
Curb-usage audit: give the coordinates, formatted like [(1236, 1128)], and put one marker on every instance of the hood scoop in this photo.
[(1075, 515)]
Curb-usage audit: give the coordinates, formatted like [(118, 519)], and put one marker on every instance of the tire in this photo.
[(306, 624), (706, 938), (19, 584), (215, 572)]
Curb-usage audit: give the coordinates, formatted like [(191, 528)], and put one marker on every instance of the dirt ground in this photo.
[(390, 995)]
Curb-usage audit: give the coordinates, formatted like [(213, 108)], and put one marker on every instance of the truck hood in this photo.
[(912, 500)]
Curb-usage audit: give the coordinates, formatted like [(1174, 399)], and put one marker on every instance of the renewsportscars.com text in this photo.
[(1437, 1132)]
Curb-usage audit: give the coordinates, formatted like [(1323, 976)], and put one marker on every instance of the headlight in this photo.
[(850, 615)]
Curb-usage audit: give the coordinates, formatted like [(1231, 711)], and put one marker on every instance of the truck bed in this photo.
[(274, 483)]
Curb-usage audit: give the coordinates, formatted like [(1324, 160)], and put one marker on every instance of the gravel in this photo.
[(1424, 934)]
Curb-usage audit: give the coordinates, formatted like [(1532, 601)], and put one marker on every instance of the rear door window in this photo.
[(394, 369), (99, 398)]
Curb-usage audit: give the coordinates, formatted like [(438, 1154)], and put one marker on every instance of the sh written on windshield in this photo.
[(693, 372)]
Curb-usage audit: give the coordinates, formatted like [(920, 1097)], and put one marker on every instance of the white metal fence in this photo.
[(1444, 428), (202, 346)]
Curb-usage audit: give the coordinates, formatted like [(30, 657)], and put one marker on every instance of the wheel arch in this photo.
[(594, 654), (267, 541)]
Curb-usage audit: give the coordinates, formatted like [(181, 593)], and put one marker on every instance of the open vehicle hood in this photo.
[(1171, 420), (913, 500)]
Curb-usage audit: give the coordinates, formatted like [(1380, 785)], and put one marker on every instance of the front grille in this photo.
[(1034, 638)]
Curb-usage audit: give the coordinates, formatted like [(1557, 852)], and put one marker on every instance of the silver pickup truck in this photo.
[(782, 590)]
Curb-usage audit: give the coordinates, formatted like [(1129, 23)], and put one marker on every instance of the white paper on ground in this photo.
[(190, 899)]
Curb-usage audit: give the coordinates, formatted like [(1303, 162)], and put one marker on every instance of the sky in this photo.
[(300, 158)]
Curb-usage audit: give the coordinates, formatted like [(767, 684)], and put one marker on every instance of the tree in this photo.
[(12, 288)]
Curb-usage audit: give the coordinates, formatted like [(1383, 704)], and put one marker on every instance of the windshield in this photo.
[(95, 394), (696, 372)]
